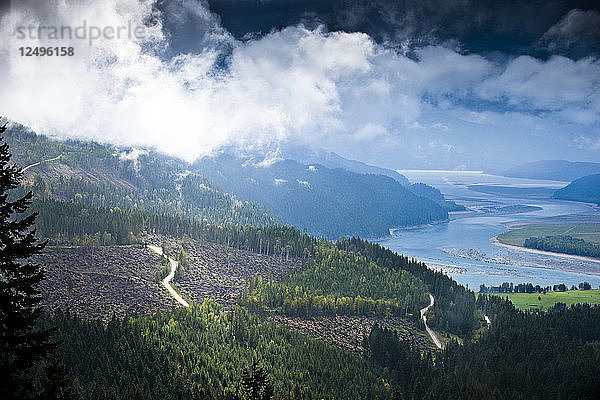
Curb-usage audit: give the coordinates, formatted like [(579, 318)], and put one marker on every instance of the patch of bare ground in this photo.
[(96, 282), (220, 272), (348, 332)]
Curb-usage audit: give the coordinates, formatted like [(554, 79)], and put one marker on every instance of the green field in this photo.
[(588, 232), (528, 301)]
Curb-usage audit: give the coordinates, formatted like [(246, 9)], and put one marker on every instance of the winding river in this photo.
[(463, 247)]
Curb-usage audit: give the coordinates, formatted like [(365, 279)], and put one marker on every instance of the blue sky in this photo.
[(428, 84)]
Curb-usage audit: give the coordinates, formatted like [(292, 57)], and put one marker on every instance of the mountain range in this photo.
[(557, 170), (344, 198)]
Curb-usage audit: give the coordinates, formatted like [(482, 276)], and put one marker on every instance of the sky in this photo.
[(405, 84)]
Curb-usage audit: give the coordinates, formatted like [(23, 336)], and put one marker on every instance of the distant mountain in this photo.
[(586, 189), (558, 170), (333, 160), (325, 201), (429, 192)]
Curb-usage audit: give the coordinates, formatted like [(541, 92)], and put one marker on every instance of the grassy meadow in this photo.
[(588, 232), (528, 301)]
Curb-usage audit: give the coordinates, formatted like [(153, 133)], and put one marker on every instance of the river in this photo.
[(463, 249)]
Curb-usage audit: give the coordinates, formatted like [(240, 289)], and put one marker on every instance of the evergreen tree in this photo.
[(57, 385), (21, 344), (257, 384)]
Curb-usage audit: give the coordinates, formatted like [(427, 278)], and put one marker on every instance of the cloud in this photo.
[(567, 88), (577, 28), (337, 90)]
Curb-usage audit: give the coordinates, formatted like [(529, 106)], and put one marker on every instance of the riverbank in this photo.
[(496, 242)]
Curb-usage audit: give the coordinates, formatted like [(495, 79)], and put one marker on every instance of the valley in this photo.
[(158, 254), (299, 200), (465, 247)]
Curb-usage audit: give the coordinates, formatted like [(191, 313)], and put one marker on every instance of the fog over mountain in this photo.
[(445, 85)]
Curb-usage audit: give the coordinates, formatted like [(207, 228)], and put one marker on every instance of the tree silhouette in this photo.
[(21, 344), (257, 384), (57, 385)]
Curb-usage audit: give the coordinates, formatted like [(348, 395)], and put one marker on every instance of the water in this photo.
[(489, 264)]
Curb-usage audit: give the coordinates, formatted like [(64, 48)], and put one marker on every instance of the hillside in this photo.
[(429, 192), (107, 176), (586, 189), (557, 170), (350, 294), (333, 160), (324, 201)]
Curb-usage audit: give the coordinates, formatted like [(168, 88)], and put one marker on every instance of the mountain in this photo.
[(323, 200), (586, 189), (557, 170), (429, 192), (333, 160), (106, 176)]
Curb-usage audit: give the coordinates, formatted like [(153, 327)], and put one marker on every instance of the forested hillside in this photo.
[(585, 189), (337, 282), (520, 356), (98, 175), (431, 193), (205, 352), (324, 201), (332, 160), (285, 279)]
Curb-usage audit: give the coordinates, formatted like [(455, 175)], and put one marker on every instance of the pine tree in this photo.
[(21, 344), (57, 385), (257, 384)]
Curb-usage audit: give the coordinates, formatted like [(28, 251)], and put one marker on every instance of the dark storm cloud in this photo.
[(579, 30), (513, 27)]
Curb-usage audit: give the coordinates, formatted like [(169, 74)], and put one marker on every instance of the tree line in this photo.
[(508, 287), (563, 244)]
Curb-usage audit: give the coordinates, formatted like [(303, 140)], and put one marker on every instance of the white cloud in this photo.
[(332, 90), (555, 85)]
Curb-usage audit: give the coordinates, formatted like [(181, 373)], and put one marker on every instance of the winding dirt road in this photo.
[(434, 337), (39, 162), (167, 281)]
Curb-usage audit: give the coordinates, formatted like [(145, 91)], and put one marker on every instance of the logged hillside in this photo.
[(324, 201), (586, 189), (99, 282), (93, 195)]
